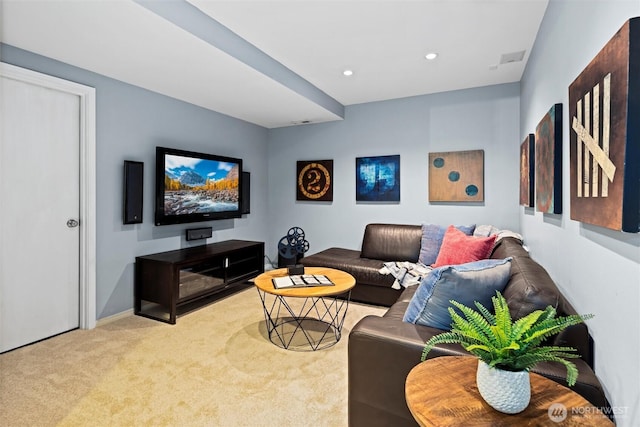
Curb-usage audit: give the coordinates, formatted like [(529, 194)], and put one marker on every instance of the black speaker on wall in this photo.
[(245, 208), (133, 191)]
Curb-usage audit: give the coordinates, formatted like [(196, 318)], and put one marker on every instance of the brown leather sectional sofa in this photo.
[(382, 350)]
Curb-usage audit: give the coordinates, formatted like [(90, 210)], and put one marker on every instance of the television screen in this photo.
[(193, 187)]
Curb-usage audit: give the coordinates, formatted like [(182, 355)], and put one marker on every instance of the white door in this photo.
[(39, 210)]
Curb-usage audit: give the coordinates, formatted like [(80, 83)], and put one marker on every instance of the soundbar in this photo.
[(199, 233)]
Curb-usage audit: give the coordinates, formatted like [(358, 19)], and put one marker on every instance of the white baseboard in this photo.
[(114, 317)]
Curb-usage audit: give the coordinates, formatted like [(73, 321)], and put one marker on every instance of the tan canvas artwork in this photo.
[(456, 176)]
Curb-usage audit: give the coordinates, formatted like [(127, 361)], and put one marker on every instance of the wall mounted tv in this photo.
[(192, 187)]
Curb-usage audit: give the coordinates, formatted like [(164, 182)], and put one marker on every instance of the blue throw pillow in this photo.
[(432, 236), (464, 283)]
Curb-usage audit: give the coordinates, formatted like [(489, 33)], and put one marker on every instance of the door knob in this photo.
[(72, 223)]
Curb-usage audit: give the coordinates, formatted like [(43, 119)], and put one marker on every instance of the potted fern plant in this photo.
[(508, 349)]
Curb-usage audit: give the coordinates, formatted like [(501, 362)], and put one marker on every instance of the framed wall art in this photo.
[(605, 135), (527, 169), (314, 180), (456, 176), (378, 179), (548, 154)]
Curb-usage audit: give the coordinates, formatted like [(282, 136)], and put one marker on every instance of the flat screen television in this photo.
[(192, 187)]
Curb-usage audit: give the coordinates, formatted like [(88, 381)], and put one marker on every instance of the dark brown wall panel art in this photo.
[(527, 168), (604, 116), (548, 152)]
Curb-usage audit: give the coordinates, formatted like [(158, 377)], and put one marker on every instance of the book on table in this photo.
[(301, 281)]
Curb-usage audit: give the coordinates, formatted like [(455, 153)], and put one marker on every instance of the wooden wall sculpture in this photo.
[(548, 152), (604, 116)]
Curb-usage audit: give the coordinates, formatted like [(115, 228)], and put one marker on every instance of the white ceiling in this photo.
[(174, 48)]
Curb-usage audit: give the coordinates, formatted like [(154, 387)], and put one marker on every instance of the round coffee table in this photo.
[(305, 318), (442, 392)]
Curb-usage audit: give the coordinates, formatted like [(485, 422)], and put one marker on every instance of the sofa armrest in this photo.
[(587, 385), (382, 351), (577, 336)]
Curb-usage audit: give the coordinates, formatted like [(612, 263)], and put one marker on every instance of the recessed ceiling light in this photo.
[(348, 73), (431, 56)]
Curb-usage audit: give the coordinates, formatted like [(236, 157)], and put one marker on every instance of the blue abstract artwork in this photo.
[(378, 179)]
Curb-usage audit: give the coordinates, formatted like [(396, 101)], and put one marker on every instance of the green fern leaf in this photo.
[(502, 318), (524, 324), (485, 313), (475, 321)]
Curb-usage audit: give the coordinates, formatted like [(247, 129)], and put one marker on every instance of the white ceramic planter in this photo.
[(505, 391)]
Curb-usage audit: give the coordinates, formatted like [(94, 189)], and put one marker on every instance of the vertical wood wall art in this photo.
[(604, 113), (548, 153), (527, 168), (456, 176)]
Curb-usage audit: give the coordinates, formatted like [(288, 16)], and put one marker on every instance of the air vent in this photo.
[(507, 58)]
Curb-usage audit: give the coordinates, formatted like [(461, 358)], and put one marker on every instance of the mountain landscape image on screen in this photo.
[(199, 186)]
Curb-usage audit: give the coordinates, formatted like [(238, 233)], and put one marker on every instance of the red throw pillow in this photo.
[(458, 248)]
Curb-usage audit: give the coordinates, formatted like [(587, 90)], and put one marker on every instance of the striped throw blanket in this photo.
[(406, 273)]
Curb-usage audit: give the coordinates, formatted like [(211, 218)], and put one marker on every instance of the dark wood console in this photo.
[(167, 281)]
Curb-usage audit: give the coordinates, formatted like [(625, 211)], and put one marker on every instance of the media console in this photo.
[(168, 281)]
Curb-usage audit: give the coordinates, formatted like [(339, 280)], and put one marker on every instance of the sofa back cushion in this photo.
[(508, 246), (530, 288), (391, 242)]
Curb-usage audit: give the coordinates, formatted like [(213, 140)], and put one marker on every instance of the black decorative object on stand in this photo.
[(291, 248)]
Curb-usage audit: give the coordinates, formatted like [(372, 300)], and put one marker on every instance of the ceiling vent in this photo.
[(507, 58)]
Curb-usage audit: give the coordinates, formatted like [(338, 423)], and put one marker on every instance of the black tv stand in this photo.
[(167, 282)]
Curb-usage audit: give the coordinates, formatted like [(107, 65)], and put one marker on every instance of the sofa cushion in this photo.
[(531, 288), (391, 242), (431, 241), (458, 248), (465, 283)]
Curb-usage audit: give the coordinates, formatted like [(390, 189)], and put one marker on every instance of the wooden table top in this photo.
[(442, 392), (342, 280)]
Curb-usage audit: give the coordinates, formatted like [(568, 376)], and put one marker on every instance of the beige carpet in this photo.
[(215, 367)]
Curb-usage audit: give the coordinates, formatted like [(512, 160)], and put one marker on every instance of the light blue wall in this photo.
[(131, 122), (483, 118), (598, 269)]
